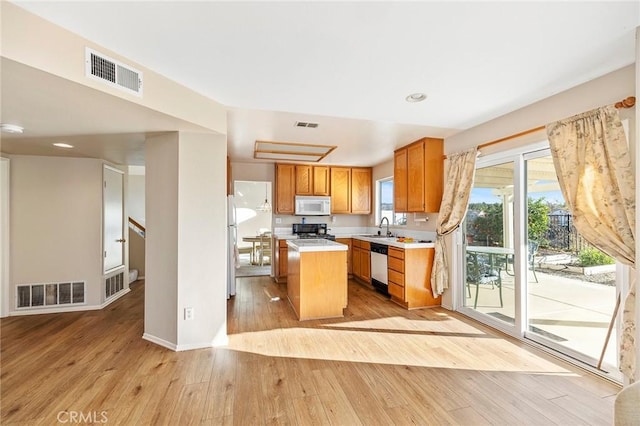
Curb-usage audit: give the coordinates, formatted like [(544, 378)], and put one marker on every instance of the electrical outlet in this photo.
[(188, 314), (278, 220)]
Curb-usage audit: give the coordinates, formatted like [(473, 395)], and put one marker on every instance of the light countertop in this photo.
[(320, 244), (389, 241)]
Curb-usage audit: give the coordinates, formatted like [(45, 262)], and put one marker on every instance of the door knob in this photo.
[(121, 240)]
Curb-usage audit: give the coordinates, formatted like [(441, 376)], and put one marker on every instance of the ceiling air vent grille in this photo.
[(306, 124), (115, 74)]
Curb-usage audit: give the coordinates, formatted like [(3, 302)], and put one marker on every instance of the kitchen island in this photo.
[(317, 278)]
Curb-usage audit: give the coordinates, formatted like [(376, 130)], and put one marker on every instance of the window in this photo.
[(385, 203)]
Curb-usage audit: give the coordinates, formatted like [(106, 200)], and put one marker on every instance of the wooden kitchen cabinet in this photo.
[(409, 274), (424, 176), (321, 180), (400, 181), (348, 242), (312, 180), (340, 190), (360, 190), (362, 260), (280, 259), (304, 180), (285, 188)]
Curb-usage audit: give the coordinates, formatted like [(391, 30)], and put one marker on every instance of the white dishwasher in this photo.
[(379, 275)]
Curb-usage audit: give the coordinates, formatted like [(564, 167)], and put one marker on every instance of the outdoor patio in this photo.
[(567, 309)]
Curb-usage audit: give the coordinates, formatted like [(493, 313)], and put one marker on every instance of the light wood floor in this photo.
[(379, 365)]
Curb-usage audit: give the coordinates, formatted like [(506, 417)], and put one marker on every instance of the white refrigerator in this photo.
[(232, 249)]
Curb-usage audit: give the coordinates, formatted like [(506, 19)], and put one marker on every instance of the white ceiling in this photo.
[(349, 65)]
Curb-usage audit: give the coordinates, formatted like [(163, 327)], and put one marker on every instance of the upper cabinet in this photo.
[(400, 180), (321, 180), (418, 176), (340, 190), (312, 180), (361, 190), (285, 188), (349, 187)]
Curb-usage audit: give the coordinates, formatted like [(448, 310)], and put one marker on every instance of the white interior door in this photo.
[(113, 205)]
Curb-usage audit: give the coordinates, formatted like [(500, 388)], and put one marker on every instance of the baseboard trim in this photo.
[(115, 297), (158, 341), (66, 309)]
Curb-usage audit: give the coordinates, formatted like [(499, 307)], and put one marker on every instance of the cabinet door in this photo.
[(347, 242), (361, 190), (285, 188), (321, 180), (400, 181), (357, 262), (366, 265), (434, 174), (415, 177), (304, 180), (283, 261), (340, 190)]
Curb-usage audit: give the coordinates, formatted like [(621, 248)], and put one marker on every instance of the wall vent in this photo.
[(114, 73), (306, 124), (114, 284), (50, 294)]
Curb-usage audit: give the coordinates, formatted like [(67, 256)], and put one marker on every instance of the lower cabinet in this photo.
[(362, 260), (409, 274), (349, 243), (280, 260)]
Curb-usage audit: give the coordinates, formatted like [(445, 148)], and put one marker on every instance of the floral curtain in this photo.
[(455, 200), (593, 164)]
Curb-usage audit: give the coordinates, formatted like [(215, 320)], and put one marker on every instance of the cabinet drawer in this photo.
[(395, 264), (396, 277), (396, 291), (396, 252)]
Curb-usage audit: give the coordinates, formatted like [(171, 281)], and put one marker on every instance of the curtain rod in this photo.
[(628, 102)]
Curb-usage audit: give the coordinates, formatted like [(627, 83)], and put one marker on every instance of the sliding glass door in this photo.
[(527, 270), (571, 285), (489, 244)]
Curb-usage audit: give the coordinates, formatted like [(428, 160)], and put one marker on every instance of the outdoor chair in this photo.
[(480, 271), (531, 258)]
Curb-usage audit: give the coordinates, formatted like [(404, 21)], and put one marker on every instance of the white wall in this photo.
[(202, 240), (186, 240), (135, 197), (161, 266), (248, 195), (56, 222)]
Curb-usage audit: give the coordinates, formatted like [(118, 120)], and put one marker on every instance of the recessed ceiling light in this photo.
[(62, 145), (416, 97), (11, 128)]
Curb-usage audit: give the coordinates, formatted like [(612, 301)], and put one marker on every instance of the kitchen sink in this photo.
[(374, 236)]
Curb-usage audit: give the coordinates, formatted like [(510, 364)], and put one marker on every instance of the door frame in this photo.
[(517, 156), (123, 221)]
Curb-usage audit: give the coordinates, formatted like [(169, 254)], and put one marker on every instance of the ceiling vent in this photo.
[(114, 73), (306, 124)]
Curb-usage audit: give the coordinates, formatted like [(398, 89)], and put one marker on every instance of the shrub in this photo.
[(591, 256)]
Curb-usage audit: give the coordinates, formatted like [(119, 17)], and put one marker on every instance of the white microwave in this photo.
[(312, 206)]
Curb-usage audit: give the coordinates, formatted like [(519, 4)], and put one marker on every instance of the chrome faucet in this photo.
[(380, 226)]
